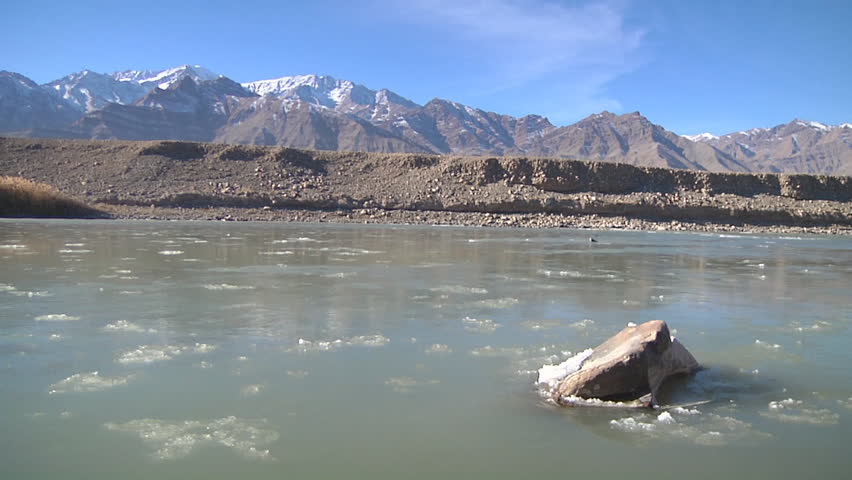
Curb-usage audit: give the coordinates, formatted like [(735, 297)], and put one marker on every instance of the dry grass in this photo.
[(20, 197)]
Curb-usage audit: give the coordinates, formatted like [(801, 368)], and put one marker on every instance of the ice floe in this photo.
[(170, 252), (705, 429), (88, 382), (459, 290), (438, 349), (173, 440), (766, 345), (537, 325), (582, 324), (797, 411), (56, 317), (476, 325), (494, 352), (126, 326), (297, 373), (145, 354), (498, 303), (227, 286), (305, 346), (12, 290), (252, 390)]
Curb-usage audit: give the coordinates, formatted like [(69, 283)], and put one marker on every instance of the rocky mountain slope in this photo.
[(799, 146), (322, 112)]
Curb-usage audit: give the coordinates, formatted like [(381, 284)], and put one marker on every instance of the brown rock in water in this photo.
[(631, 364)]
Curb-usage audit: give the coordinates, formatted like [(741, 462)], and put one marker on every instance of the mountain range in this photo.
[(321, 112)]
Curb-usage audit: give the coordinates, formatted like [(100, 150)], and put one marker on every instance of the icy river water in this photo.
[(225, 350)]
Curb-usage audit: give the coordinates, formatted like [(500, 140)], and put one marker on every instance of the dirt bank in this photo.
[(211, 181)]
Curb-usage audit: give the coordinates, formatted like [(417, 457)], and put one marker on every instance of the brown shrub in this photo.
[(20, 197)]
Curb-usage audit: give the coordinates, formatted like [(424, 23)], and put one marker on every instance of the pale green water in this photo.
[(206, 378)]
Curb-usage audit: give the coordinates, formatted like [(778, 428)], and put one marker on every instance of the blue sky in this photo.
[(689, 65)]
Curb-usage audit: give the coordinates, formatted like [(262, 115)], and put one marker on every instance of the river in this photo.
[(260, 350)]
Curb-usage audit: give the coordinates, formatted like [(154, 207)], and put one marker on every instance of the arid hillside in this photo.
[(200, 175)]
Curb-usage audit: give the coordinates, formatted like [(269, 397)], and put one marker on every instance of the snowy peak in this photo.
[(701, 137), (25, 105), (165, 78), (88, 91), (17, 81), (286, 86), (326, 91)]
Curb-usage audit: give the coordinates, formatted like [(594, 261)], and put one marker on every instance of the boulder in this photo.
[(630, 365)]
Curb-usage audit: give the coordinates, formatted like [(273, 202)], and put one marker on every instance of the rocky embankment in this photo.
[(215, 181)]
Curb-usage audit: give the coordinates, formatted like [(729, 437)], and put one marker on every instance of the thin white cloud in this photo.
[(518, 42)]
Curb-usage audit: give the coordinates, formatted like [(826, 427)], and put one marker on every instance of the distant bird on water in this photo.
[(592, 240)]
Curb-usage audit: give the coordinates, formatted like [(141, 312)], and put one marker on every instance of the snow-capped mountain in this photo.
[(323, 112), (164, 78), (25, 105), (88, 91), (798, 146), (326, 91), (701, 137)]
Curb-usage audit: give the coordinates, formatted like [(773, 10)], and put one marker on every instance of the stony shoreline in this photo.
[(470, 219)]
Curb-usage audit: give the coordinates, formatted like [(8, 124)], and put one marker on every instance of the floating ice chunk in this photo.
[(770, 346), (31, 294), (438, 349), (304, 346), (202, 348), (480, 325), (226, 286), (666, 418), (630, 424), (582, 324), (69, 250), (252, 390), (489, 351), (685, 411), (536, 325), (797, 411), (498, 303), (55, 336), (13, 247), (125, 326), (631, 324), (171, 252), (297, 373), (368, 341), (341, 275), (173, 440), (145, 354), (88, 382), (458, 289), (846, 403), (550, 375), (56, 317)]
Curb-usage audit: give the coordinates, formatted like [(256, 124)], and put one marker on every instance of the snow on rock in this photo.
[(701, 137)]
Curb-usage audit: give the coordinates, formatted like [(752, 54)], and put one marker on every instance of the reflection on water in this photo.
[(165, 349)]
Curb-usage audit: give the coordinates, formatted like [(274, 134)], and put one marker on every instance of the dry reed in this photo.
[(20, 197)]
